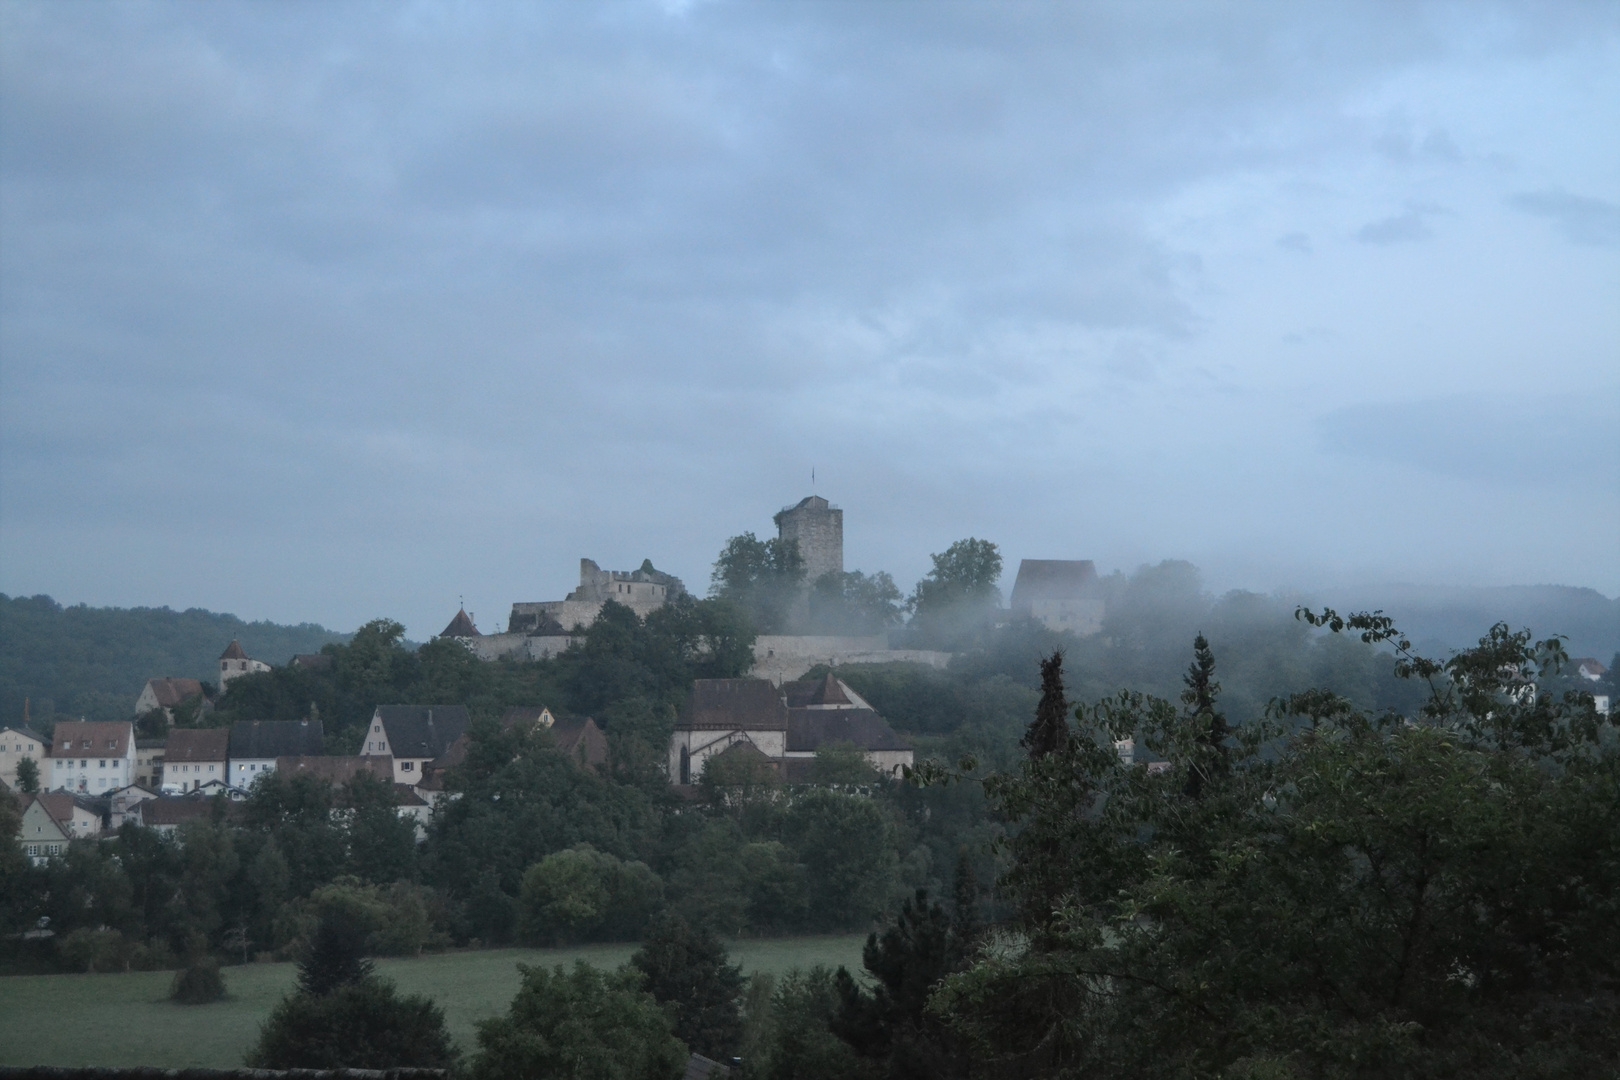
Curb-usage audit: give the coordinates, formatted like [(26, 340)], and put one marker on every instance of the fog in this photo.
[(330, 312)]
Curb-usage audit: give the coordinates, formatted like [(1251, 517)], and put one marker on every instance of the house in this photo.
[(52, 819), (413, 807), (234, 663), (580, 740), (1062, 593), (786, 725), (166, 694), (193, 757), (91, 758), (461, 627), (167, 813), (256, 745), (413, 736), (17, 743), (1588, 668), (336, 770), (312, 662), (149, 763), (123, 804)]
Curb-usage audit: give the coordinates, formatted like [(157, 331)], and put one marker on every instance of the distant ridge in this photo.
[(92, 662), (1455, 617)]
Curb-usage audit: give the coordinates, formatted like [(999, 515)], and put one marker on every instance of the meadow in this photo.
[(89, 1020)]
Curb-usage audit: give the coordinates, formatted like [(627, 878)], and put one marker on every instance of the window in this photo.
[(32, 849), (83, 764), (407, 766), (103, 763), (55, 849), (376, 729), (210, 768)]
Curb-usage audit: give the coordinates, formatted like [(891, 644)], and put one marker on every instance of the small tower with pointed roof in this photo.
[(234, 663), (461, 627)]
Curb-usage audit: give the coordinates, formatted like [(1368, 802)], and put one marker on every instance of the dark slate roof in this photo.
[(28, 733), (276, 738), (824, 691), (809, 729), (233, 651), (170, 810), (699, 1067), (421, 731), (461, 626), (312, 661), (337, 770), (581, 740), (196, 744), (1053, 579), (526, 714), (732, 704)]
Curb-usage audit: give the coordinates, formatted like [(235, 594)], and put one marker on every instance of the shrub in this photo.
[(199, 984), (586, 895), (362, 1025)]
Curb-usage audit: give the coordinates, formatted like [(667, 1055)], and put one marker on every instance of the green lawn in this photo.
[(85, 1020)]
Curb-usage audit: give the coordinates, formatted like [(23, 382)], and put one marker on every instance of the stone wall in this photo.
[(818, 526), (516, 646), (785, 657)]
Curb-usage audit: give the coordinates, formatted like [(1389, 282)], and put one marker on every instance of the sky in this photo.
[(327, 311)]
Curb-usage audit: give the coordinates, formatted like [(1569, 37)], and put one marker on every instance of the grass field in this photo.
[(84, 1020)]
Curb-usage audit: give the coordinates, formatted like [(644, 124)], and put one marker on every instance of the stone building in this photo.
[(166, 694), (642, 591), (234, 663), (1062, 593), (818, 526)]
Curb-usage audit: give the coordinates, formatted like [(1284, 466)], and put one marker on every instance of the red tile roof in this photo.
[(233, 651), (85, 739)]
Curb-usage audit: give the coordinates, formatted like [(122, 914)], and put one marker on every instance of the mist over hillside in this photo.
[(91, 662), (1441, 618)]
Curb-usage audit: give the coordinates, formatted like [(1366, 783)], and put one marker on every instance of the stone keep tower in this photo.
[(818, 526)]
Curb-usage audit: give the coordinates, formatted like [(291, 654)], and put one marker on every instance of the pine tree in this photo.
[(1211, 730), (966, 896), (1049, 732), (336, 954), (686, 971)]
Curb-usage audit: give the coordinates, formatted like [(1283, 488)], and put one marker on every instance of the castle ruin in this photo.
[(818, 526)]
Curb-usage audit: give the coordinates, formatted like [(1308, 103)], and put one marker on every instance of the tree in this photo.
[(580, 1023), (888, 1022), (382, 844), (583, 894), (853, 603), (1210, 730), (198, 984), (358, 1025), (1049, 732), (687, 972), (762, 577), (958, 595), (336, 954), (28, 776), (1354, 895)]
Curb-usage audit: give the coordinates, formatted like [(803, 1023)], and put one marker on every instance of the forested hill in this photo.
[(92, 662), (1456, 618)]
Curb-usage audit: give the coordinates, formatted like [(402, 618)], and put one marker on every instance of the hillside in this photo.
[(92, 662), (1456, 617)]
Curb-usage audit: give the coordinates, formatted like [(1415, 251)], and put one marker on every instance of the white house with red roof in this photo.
[(234, 663), (91, 757)]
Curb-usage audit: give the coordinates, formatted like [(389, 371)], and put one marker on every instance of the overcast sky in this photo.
[(325, 312)]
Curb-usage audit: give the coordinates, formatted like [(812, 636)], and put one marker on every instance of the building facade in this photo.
[(234, 663), (413, 736), (256, 745), (818, 528), (17, 743), (1064, 594), (642, 591), (91, 758), (194, 757)]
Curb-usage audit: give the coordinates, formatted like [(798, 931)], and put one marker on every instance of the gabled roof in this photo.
[(461, 626), (276, 738), (337, 770), (197, 744), (1053, 579), (405, 795), (824, 691), (809, 729), (312, 661), (58, 805), (233, 651), (174, 810), (421, 731), (734, 704), (80, 738), (581, 740), (527, 714), (26, 732), (172, 692)]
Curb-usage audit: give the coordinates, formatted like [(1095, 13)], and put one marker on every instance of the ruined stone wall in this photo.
[(785, 657)]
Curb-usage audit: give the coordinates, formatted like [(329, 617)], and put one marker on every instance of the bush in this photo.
[(199, 984), (363, 1025), (583, 1024)]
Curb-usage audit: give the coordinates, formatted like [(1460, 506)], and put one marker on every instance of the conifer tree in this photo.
[(1048, 733), (1210, 727), (336, 954), (687, 971)]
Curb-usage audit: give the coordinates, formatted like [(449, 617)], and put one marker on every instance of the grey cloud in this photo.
[(1400, 229), (1587, 221)]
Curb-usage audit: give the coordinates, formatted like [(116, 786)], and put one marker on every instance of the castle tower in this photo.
[(818, 526)]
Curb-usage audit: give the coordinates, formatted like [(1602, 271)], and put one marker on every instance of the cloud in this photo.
[(1404, 228), (1586, 221), (1295, 241)]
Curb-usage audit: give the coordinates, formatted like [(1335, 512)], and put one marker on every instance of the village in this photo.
[(88, 779)]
